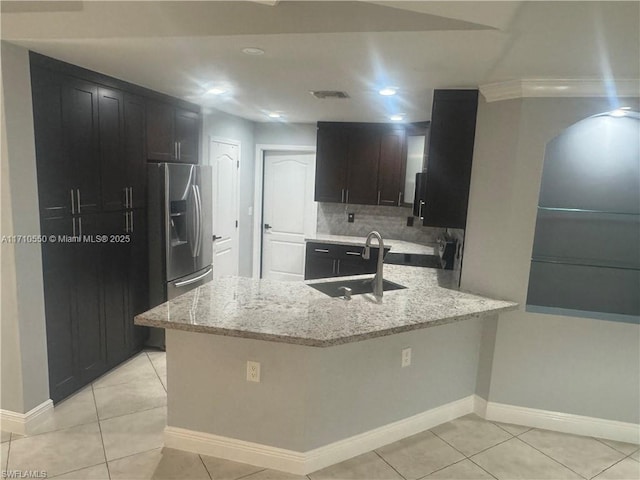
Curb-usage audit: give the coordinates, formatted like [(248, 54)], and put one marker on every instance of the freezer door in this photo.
[(204, 254), (185, 284), (181, 219)]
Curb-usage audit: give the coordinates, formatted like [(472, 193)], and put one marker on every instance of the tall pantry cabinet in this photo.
[(91, 169)]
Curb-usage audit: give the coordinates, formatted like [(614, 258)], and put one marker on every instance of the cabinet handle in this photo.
[(399, 197), (126, 219), (321, 250), (333, 267), (74, 226), (378, 197), (175, 150), (131, 221), (342, 196), (126, 197), (73, 208), (338, 267), (347, 196), (354, 253), (130, 197), (78, 195), (179, 150), (80, 227), (420, 210)]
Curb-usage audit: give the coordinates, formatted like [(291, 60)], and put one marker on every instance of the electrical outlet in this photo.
[(253, 372), (406, 357), (351, 217)]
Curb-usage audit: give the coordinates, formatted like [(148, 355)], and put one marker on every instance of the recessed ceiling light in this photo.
[(398, 117), (217, 91), (253, 51), (388, 91), (274, 115)]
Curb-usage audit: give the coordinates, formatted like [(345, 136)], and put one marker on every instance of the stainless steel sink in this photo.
[(357, 286)]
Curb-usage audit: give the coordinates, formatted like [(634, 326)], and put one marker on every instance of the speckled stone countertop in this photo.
[(397, 246), (293, 312)]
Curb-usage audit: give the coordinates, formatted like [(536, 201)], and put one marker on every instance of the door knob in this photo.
[(215, 237), (267, 226)]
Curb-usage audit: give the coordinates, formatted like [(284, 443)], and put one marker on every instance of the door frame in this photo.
[(236, 143), (261, 151)]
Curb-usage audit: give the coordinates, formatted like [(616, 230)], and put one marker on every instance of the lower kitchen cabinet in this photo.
[(93, 289), (326, 260)]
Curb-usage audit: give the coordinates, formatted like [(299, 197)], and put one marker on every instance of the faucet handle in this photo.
[(347, 292)]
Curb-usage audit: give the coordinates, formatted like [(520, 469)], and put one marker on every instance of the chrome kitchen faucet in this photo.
[(377, 280)]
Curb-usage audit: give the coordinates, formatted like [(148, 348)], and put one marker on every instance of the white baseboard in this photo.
[(302, 463), (24, 423), (561, 422)]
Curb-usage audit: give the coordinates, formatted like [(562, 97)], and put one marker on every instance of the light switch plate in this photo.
[(253, 371)]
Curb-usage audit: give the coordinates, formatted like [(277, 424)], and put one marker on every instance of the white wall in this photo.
[(572, 365), (25, 380), (286, 134)]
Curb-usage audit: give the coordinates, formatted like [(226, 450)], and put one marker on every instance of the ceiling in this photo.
[(185, 48)]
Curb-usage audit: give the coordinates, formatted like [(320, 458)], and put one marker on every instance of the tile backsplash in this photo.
[(391, 222)]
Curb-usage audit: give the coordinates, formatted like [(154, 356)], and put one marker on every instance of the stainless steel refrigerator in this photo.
[(180, 235)]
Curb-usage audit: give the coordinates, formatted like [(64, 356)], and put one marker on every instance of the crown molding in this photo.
[(494, 92)]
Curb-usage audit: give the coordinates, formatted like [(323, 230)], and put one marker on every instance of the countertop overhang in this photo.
[(294, 313)]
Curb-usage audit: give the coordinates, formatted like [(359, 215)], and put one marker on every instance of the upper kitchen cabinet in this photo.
[(173, 133), (331, 162), (65, 113), (122, 149), (448, 175), (391, 167), (360, 163)]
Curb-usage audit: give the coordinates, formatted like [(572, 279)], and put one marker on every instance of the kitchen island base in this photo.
[(315, 407)]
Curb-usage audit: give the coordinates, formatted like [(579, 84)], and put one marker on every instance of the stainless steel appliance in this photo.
[(180, 235)]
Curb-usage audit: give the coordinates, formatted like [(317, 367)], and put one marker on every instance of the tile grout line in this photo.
[(252, 473), (130, 413), (77, 470), (521, 433), (627, 454), (156, 370), (205, 467), (611, 466), (104, 451), (557, 461), (392, 467), (447, 466)]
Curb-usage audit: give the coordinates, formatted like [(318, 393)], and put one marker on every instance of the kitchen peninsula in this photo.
[(331, 381)]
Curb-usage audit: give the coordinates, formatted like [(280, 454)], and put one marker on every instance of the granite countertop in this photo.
[(293, 312), (397, 246)]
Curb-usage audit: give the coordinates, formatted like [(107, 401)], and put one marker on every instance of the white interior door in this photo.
[(289, 213), (224, 158)]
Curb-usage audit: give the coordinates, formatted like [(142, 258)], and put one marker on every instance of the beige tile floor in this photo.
[(112, 429)]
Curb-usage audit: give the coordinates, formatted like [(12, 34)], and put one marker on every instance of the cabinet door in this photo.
[(115, 286), (318, 267), (453, 125), (112, 161), (86, 270), (80, 120), (58, 281), (187, 136), (331, 163), (138, 269), (362, 179), (53, 164), (135, 150), (161, 144), (391, 167)]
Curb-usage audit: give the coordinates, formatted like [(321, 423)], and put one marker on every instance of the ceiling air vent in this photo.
[(322, 94)]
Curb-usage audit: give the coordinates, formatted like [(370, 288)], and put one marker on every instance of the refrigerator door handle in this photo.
[(199, 235), (193, 280), (196, 217)]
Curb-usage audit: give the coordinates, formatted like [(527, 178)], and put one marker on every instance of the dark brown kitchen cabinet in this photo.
[(448, 175), (362, 176), (391, 167), (360, 163), (325, 260), (173, 134), (66, 125), (90, 138), (331, 163)]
